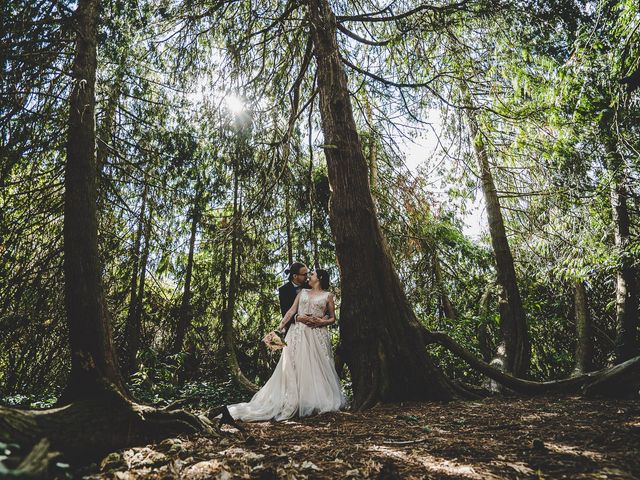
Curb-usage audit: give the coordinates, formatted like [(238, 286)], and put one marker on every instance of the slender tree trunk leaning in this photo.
[(108, 125), (144, 258), (584, 338), (287, 214), (138, 307), (132, 327), (92, 354), (627, 288), (185, 313), (379, 330), (447, 306), (513, 323), (229, 311), (484, 342), (314, 237)]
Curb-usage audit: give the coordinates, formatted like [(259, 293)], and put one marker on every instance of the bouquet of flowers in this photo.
[(273, 341)]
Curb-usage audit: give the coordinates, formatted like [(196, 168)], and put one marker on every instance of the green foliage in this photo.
[(545, 79)]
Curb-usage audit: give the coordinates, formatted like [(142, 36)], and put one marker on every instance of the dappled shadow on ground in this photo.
[(551, 437)]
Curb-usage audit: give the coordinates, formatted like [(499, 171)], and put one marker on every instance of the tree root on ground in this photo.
[(621, 380), (88, 429)]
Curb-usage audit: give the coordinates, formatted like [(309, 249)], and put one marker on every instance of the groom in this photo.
[(287, 293)]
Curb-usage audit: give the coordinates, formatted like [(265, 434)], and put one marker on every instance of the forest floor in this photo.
[(544, 437)]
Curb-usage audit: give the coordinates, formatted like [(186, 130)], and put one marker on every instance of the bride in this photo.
[(305, 381)]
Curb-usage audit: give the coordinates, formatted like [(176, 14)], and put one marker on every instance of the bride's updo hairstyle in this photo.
[(325, 280), (294, 269)]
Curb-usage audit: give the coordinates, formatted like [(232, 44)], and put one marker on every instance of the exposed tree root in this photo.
[(621, 380), (88, 429), (35, 465)]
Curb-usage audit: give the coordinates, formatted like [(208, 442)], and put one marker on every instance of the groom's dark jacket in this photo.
[(287, 294)]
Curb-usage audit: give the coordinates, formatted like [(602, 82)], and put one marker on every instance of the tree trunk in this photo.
[(379, 330), (626, 281), (513, 324), (447, 306), (584, 339), (229, 312), (93, 358), (185, 313), (132, 327), (100, 418), (287, 213), (108, 125)]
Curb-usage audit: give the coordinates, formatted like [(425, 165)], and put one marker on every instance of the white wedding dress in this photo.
[(305, 381)]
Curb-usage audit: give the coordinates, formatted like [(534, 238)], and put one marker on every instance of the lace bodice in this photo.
[(311, 303)]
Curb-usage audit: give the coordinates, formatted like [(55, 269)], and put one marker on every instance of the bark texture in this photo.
[(185, 314), (513, 323), (230, 307), (134, 315), (92, 355), (378, 328), (447, 307), (584, 338), (97, 417), (627, 288)]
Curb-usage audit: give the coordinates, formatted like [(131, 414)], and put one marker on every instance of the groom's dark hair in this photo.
[(325, 279), (294, 269)]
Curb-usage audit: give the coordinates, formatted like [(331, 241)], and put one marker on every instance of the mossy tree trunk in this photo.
[(627, 288), (93, 359), (379, 330), (513, 324)]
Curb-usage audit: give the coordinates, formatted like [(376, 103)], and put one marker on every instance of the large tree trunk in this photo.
[(513, 323), (379, 330), (584, 339), (229, 311), (185, 313), (132, 326), (93, 358), (101, 418), (626, 281)]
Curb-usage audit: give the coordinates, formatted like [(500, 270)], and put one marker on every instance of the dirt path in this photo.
[(496, 438)]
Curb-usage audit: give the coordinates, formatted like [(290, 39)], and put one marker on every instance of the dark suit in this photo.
[(287, 294)]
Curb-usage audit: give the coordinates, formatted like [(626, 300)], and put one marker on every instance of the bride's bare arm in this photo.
[(290, 313), (323, 322)]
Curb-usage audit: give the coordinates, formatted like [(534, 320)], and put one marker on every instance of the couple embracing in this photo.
[(305, 381)]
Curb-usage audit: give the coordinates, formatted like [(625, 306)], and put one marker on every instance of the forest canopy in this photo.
[(233, 138)]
